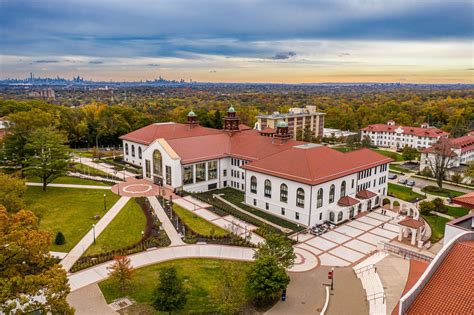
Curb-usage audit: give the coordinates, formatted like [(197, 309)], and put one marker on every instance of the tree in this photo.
[(409, 153), (229, 291), (11, 192), (60, 239), (48, 156), (266, 279), (277, 246), (170, 294), (426, 207), (217, 120), (456, 177), (439, 159), (27, 270), (366, 142), (121, 271), (439, 206), (470, 170)]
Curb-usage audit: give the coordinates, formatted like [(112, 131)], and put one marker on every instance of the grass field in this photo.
[(70, 180), (394, 155), (69, 210), (124, 230), (201, 277), (457, 211), (198, 224), (402, 192), (434, 190), (437, 225)]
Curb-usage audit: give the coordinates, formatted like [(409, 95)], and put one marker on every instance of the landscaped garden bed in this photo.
[(404, 193), (198, 224), (201, 276), (442, 192), (437, 225), (153, 236), (71, 211), (457, 211)]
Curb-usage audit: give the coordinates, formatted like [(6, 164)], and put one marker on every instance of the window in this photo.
[(157, 163), (320, 216), (331, 194), (300, 197), (282, 211), (126, 148), (212, 170), (266, 205), (319, 203), (224, 173), (133, 150), (147, 168), (253, 184), (188, 175), (283, 193), (139, 152), (331, 216), (200, 172), (352, 185), (168, 175), (255, 202), (343, 189), (351, 213), (225, 183), (297, 215), (339, 216)]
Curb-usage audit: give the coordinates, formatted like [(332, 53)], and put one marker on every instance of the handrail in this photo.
[(363, 269), (406, 252), (376, 296)]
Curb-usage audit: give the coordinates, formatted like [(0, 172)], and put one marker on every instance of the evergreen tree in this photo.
[(170, 294), (60, 239), (217, 120)]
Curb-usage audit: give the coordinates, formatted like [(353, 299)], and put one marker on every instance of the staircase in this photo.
[(372, 284)]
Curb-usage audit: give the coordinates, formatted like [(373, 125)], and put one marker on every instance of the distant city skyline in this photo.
[(239, 41)]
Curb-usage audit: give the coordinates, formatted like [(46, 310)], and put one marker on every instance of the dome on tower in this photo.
[(281, 124), (191, 114), (231, 109)]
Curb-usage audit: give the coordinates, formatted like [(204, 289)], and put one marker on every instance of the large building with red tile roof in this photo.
[(395, 136), (447, 285), (302, 182)]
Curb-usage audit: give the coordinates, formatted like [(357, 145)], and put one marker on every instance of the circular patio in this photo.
[(136, 188)]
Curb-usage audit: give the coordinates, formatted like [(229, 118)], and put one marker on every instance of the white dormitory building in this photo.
[(305, 183), (395, 136)]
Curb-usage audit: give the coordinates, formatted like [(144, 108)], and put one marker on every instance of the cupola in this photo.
[(231, 121), (192, 119)]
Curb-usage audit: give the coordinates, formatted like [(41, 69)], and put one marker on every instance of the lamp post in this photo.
[(93, 231), (143, 234), (105, 202), (332, 278), (298, 234)]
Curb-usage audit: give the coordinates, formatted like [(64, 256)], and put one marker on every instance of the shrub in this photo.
[(457, 178), (439, 206), (426, 207), (426, 172), (60, 239)]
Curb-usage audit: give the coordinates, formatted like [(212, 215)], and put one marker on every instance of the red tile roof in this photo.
[(347, 201), (267, 130), (365, 194), (465, 143), (167, 131), (466, 200), (312, 164), (450, 289), (416, 131), (417, 268), (411, 223)]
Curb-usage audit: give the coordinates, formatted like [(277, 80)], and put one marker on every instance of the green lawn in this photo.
[(402, 192), (201, 278), (70, 180), (69, 210), (437, 225), (83, 153), (394, 155), (395, 167), (434, 190), (197, 224), (457, 211), (85, 169), (124, 230)]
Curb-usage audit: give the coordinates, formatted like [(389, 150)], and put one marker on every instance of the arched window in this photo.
[(320, 198), (339, 216), (157, 163), (133, 150), (126, 148), (253, 184), (377, 200), (331, 194), (351, 213), (139, 152), (343, 189), (300, 197), (283, 193), (268, 188), (331, 216)]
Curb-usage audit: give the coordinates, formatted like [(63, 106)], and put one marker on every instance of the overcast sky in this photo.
[(240, 41)]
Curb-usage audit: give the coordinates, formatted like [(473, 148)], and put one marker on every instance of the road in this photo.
[(421, 183)]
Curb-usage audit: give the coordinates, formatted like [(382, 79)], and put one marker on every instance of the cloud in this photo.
[(283, 55), (153, 65), (46, 61)]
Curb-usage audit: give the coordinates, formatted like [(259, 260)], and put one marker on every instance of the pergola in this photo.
[(410, 225), (466, 200)]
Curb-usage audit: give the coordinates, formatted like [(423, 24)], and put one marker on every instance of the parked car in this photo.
[(392, 176), (410, 183), (402, 181)]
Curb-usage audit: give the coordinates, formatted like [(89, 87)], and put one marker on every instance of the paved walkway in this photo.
[(98, 273), (89, 300), (228, 222), (88, 239), (104, 167), (166, 223), (70, 186), (133, 187), (393, 272)]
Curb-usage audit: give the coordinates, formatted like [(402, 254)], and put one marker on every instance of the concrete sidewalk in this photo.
[(88, 239), (104, 167), (70, 186), (98, 273), (165, 221), (89, 300)]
